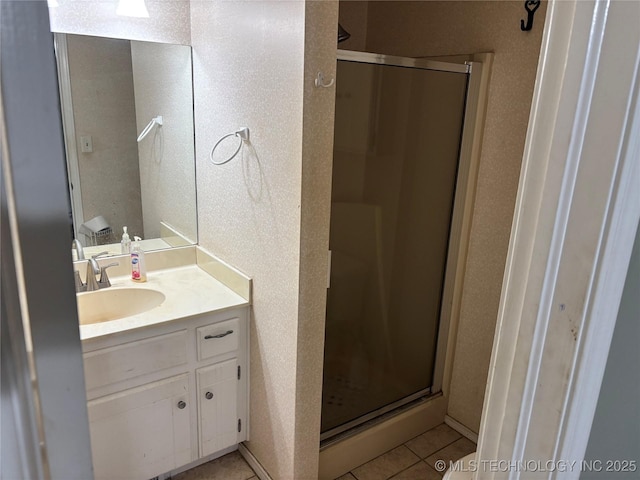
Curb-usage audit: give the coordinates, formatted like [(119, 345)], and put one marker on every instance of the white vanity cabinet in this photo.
[(217, 406), (142, 431), (168, 395)]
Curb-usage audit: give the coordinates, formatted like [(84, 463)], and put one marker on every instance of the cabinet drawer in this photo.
[(122, 362), (218, 338)]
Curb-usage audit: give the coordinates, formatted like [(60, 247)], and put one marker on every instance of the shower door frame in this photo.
[(459, 228)]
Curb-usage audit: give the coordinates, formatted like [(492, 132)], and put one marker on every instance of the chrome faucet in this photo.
[(104, 278), (94, 269), (78, 246)]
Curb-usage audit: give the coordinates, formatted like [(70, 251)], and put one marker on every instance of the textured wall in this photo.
[(103, 108), (248, 71), (162, 84), (168, 21), (437, 28), (267, 211), (321, 26)]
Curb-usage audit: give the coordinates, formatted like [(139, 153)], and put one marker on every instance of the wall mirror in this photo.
[(127, 110)]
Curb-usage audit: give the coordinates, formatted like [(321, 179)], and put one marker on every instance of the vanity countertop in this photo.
[(188, 290)]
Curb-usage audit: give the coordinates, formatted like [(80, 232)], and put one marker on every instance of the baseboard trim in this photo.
[(461, 429), (253, 462)]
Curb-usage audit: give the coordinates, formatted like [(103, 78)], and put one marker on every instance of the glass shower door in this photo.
[(396, 148)]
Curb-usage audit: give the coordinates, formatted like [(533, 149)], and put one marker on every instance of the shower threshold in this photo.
[(376, 417)]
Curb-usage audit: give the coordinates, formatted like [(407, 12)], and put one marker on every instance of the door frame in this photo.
[(69, 129), (46, 395), (575, 220)]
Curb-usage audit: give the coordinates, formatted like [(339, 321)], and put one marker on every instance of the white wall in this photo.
[(321, 30), (266, 212), (248, 66), (168, 22)]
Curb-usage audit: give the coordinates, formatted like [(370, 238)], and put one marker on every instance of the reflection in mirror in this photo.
[(111, 90)]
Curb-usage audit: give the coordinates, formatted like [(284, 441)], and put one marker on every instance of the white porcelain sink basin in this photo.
[(114, 303)]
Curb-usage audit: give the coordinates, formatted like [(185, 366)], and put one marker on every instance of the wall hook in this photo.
[(530, 6), (320, 81)]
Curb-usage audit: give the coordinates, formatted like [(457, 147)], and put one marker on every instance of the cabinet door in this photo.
[(217, 404), (142, 432)]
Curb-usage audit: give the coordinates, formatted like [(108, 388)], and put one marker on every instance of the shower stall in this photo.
[(399, 144)]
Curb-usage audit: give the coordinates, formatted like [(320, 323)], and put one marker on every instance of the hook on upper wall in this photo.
[(319, 81), (530, 6)]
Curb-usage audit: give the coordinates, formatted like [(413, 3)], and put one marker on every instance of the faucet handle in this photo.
[(93, 262), (104, 278)]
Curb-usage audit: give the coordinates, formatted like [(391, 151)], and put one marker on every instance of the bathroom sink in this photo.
[(114, 303)]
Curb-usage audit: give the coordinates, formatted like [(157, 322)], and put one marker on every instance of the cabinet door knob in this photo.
[(208, 395), (181, 404)]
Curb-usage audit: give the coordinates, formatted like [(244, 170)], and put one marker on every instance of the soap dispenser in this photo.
[(125, 244), (138, 268)]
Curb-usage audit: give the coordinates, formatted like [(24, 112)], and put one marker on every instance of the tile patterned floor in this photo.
[(230, 467), (415, 460)]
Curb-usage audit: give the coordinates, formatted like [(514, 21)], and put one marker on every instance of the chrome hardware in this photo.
[(220, 335), (79, 250), (80, 287), (208, 395), (181, 404), (92, 270), (319, 81), (104, 278)]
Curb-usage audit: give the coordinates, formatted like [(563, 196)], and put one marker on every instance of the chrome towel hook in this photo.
[(320, 81)]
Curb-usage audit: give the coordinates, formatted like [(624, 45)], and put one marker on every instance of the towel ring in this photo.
[(243, 133), (154, 121)]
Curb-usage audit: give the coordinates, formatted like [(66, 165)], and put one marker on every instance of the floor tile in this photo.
[(420, 471), (386, 465), (229, 467), (435, 439), (346, 476), (453, 452)]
